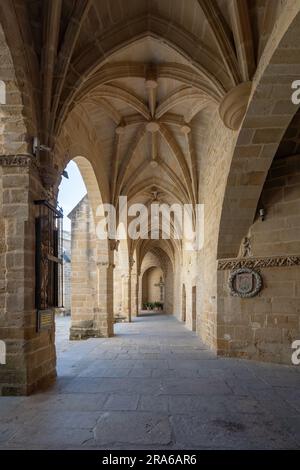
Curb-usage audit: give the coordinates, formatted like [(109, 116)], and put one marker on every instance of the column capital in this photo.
[(131, 262), (113, 244), (105, 264)]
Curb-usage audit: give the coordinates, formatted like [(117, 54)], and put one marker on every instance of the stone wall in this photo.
[(151, 293), (279, 233), (13, 130), (265, 326), (171, 280)]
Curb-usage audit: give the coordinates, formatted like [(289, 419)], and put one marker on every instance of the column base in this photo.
[(77, 333), (119, 318), (28, 389), (89, 329)]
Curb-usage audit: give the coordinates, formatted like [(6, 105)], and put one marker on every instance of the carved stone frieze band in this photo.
[(105, 264), (17, 160), (259, 262)]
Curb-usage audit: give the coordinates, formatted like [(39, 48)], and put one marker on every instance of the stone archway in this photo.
[(156, 260), (92, 270), (269, 113), (244, 158), (153, 95)]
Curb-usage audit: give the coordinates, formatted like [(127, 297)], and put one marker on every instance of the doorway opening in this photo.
[(72, 195), (153, 290)]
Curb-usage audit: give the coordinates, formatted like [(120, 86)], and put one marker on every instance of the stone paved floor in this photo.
[(155, 386)]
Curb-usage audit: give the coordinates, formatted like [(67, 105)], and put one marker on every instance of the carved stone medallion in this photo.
[(245, 283)]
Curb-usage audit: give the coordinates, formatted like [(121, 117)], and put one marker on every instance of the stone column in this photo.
[(84, 273), (134, 292), (140, 297), (132, 288), (118, 295), (126, 292), (100, 319), (104, 314), (30, 359)]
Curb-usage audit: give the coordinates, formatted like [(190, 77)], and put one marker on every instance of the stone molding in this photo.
[(113, 244), (233, 107), (17, 161), (259, 262), (131, 262), (105, 264)]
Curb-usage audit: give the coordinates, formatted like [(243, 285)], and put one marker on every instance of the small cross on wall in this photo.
[(161, 285)]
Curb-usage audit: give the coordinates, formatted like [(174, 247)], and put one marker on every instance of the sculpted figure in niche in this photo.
[(246, 251)]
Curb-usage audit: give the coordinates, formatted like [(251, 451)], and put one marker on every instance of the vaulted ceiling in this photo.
[(142, 78)]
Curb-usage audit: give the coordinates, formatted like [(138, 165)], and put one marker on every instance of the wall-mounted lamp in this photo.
[(36, 146), (2, 94), (262, 214)]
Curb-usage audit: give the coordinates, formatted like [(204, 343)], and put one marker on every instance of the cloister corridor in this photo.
[(154, 385)]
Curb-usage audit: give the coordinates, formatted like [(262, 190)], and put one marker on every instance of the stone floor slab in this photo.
[(133, 428), (155, 386), (119, 402)]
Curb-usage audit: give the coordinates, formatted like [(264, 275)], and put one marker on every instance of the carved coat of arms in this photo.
[(244, 282)]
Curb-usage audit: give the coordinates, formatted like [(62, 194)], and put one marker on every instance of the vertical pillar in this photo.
[(140, 292), (84, 272), (104, 315), (125, 315), (132, 288), (126, 301), (118, 295), (133, 294), (104, 319), (30, 359)]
